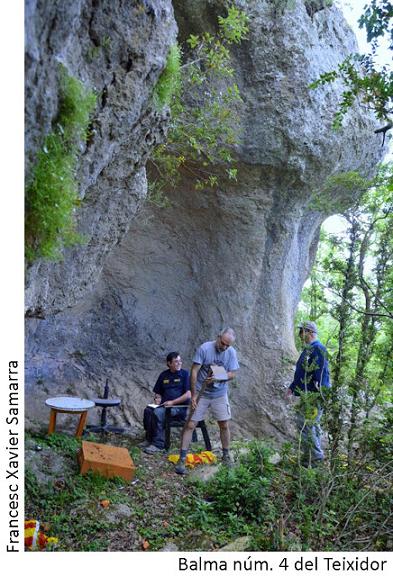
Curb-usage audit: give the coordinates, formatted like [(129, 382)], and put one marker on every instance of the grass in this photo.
[(52, 191), (169, 82), (69, 504)]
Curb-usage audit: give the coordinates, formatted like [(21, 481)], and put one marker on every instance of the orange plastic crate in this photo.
[(109, 461)]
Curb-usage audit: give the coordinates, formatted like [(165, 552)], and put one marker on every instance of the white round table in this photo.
[(68, 405)]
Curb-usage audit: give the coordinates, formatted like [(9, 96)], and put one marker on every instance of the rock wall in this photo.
[(170, 278), (119, 49)]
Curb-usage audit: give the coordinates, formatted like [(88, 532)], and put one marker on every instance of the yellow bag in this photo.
[(193, 460)]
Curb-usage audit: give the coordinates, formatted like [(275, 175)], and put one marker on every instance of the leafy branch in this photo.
[(204, 102), (359, 73)]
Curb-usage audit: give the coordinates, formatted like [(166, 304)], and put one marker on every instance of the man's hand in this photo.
[(194, 401), (168, 403)]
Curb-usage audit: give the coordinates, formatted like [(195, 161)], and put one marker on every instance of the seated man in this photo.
[(171, 388)]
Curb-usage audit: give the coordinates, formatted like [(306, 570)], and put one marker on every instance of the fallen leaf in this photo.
[(145, 544)]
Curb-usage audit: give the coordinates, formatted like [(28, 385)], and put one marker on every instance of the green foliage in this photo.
[(168, 84), (52, 192), (103, 47), (106, 43), (242, 491), (70, 503), (280, 6), (204, 108), (156, 195), (31, 485), (233, 502), (337, 192), (234, 25), (92, 53), (282, 506), (362, 78), (289, 507), (62, 443), (72, 506), (377, 21), (350, 296)]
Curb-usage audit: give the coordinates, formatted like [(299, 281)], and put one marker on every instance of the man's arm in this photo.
[(158, 390), (233, 365), (318, 360), (180, 400), (194, 373)]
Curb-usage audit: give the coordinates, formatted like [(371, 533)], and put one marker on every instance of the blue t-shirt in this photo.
[(171, 385), (312, 369), (208, 354)]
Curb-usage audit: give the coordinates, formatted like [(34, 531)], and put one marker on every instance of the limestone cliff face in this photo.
[(170, 278), (119, 49)]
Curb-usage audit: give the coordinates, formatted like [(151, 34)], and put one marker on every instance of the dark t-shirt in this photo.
[(171, 385)]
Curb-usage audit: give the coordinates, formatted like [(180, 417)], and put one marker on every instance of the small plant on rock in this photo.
[(52, 191)]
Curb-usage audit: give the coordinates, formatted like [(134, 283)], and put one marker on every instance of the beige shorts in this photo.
[(220, 409)]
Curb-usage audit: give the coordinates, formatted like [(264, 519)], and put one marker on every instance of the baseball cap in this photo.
[(310, 326)]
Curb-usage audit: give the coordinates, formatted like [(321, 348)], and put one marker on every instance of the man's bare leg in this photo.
[(225, 436), (185, 442)]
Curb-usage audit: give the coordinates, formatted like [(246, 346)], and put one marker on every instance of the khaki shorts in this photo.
[(220, 409)]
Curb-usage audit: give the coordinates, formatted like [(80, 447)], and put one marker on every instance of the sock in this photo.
[(183, 454), (225, 451)]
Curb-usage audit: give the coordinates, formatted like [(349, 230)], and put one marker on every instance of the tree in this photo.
[(354, 278), (362, 77)]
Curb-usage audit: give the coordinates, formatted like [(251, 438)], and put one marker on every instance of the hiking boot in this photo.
[(152, 449), (227, 461), (144, 444), (180, 467)]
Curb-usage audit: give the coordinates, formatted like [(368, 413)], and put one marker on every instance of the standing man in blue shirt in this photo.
[(172, 388), (311, 377), (214, 395)]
